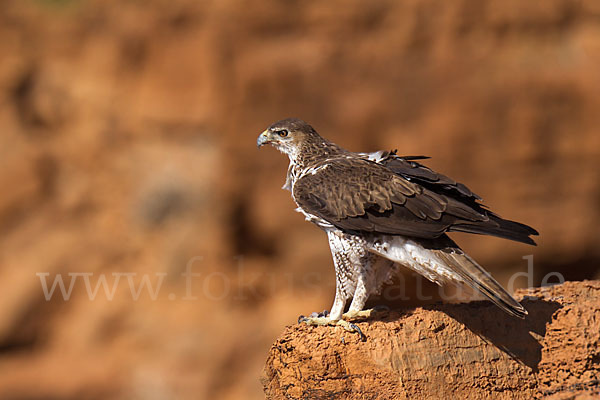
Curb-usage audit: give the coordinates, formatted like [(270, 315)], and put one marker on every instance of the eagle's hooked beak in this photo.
[(263, 138)]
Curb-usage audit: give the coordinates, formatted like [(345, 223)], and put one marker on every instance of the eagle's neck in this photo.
[(314, 152), (310, 155)]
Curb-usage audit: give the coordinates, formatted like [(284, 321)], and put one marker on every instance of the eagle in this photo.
[(380, 210)]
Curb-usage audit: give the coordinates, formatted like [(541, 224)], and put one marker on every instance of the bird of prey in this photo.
[(379, 210)]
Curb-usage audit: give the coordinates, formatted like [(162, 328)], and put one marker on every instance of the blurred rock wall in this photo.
[(127, 146)]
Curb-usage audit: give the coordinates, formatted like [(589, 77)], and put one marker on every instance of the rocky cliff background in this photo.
[(127, 146)]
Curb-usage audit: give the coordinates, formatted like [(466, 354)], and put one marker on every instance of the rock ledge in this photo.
[(450, 351)]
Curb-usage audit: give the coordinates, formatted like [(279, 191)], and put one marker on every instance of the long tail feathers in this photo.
[(479, 279), (442, 261)]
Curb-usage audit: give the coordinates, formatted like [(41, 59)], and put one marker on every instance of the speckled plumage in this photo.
[(380, 210)]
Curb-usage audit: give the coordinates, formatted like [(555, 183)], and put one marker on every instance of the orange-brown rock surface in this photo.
[(127, 146), (467, 351)]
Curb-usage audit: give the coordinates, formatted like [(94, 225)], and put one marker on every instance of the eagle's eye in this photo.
[(282, 133)]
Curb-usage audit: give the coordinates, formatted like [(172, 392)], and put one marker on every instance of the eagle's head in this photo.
[(288, 136)]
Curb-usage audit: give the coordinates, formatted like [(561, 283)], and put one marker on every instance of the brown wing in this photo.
[(356, 194), (360, 195), (407, 167)]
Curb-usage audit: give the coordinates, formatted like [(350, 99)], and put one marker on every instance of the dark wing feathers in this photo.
[(499, 227), (359, 194), (411, 170), (410, 158)]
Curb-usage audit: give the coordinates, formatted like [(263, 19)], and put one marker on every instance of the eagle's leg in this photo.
[(361, 294), (358, 300), (337, 309), (342, 251), (335, 317), (364, 288)]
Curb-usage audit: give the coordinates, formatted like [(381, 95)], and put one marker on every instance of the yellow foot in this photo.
[(364, 314), (326, 321)]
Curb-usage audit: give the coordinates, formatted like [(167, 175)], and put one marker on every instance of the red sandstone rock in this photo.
[(464, 351)]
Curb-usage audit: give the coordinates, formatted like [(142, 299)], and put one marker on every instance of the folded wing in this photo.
[(394, 195)]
